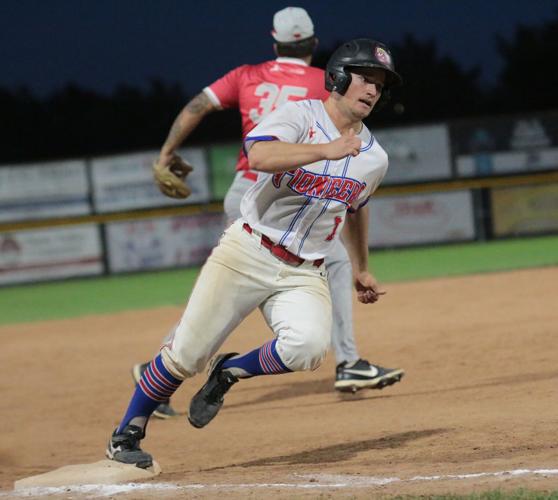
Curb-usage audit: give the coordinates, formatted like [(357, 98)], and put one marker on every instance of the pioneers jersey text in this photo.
[(304, 209)]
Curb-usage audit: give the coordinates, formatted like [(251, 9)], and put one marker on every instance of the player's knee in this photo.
[(317, 349), (186, 362), (305, 353), (173, 363)]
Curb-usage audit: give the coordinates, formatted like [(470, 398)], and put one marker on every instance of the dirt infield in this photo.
[(480, 396)]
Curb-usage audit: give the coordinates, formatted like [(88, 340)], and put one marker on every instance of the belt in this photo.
[(281, 252)]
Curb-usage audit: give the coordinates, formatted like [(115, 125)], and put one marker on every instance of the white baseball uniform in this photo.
[(303, 211)]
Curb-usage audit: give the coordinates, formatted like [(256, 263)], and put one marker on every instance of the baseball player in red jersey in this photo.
[(257, 90), (318, 165)]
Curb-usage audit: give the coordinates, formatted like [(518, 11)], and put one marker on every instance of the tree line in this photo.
[(75, 121)]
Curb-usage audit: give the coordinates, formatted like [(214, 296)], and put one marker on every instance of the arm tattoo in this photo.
[(198, 104), (185, 123), (174, 133)]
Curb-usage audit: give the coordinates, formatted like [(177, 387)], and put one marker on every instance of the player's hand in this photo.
[(347, 144), (368, 290), (170, 176)]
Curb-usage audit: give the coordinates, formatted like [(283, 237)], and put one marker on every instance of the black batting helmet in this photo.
[(358, 54)]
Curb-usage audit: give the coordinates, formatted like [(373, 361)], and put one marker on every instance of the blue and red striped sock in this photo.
[(156, 386), (261, 361)]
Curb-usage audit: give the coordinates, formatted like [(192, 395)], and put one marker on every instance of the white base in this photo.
[(102, 472)]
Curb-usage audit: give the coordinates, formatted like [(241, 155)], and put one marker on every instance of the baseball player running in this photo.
[(257, 90), (317, 166)]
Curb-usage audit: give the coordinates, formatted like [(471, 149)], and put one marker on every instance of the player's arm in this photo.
[(276, 156), (187, 120), (355, 237)]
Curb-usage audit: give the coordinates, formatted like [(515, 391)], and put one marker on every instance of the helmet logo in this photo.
[(382, 55)]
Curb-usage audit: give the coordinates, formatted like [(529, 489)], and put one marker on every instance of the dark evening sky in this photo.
[(100, 43)]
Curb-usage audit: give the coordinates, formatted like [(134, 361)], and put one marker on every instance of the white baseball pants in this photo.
[(239, 276), (340, 275)]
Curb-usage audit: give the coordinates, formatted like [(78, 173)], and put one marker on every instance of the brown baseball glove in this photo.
[(171, 177)]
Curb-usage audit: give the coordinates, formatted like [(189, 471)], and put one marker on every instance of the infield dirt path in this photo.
[(480, 395)]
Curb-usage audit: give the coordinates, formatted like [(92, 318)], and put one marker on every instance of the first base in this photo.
[(102, 472)]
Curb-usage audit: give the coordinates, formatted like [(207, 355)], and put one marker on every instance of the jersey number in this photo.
[(272, 96), (338, 221)]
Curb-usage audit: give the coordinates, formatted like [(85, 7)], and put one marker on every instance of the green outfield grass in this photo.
[(146, 290), (520, 494)]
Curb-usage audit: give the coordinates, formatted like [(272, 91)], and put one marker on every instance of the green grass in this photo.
[(146, 290), (520, 494), (66, 299), (468, 258)]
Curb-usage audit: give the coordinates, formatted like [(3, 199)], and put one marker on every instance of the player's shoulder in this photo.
[(302, 106), (256, 72), (258, 67), (292, 67), (250, 69), (300, 112), (379, 153), (317, 72), (306, 106), (244, 68), (372, 144)]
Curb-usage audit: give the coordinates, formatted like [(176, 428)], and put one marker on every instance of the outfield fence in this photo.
[(462, 181)]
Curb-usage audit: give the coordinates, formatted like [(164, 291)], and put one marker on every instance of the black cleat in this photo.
[(164, 410), (124, 447), (364, 375), (208, 400)]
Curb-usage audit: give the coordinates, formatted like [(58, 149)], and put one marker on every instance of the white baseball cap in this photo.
[(292, 24)]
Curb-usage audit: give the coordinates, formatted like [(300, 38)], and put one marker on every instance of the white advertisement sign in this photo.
[(42, 190), (416, 153), (507, 145), (425, 218), (507, 162), (126, 182), (50, 253), (162, 242)]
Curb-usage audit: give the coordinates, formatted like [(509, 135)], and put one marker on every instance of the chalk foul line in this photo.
[(304, 481)]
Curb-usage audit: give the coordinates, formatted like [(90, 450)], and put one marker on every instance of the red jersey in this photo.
[(257, 89)]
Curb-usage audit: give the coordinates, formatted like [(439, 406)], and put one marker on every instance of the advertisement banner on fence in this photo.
[(505, 145), (416, 153), (126, 182), (53, 253), (162, 242), (42, 190), (525, 210), (424, 218)]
